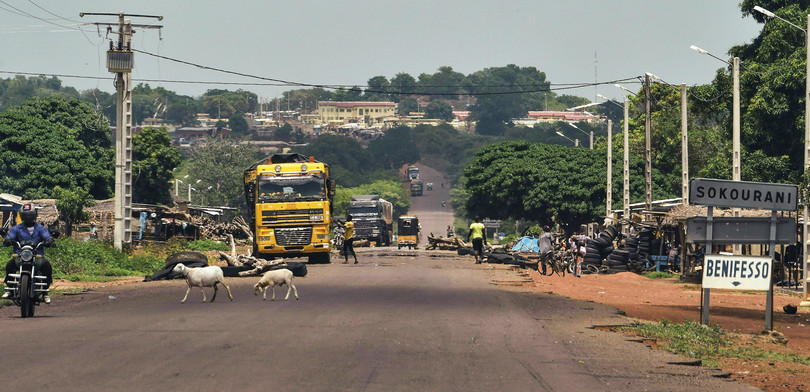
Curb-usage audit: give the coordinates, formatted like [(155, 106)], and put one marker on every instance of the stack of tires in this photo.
[(599, 248), (645, 238), (633, 263)]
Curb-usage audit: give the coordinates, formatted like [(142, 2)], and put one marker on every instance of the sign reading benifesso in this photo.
[(737, 272), (742, 194)]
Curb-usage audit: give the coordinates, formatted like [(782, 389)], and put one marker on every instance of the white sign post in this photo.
[(737, 272)]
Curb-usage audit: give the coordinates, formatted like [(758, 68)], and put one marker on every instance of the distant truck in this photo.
[(416, 187), (412, 173), (373, 218)]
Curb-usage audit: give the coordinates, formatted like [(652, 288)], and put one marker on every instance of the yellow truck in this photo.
[(289, 197)]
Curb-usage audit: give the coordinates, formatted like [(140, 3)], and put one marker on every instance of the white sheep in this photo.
[(202, 277), (275, 278)]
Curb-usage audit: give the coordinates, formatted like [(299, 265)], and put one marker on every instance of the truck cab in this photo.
[(373, 218)]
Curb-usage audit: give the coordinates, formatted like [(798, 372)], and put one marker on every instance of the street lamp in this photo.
[(586, 133), (626, 168), (805, 224), (576, 142)]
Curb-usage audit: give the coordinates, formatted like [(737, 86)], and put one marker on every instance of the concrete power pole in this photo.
[(647, 147), (626, 168), (120, 62), (609, 195), (684, 149)]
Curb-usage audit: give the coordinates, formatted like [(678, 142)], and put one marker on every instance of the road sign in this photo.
[(492, 223), (737, 272), (734, 230), (743, 194)]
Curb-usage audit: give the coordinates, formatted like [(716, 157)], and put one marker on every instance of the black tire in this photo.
[(25, 299), (612, 230), (186, 257)]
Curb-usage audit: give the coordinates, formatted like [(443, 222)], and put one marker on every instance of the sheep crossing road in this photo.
[(398, 321)]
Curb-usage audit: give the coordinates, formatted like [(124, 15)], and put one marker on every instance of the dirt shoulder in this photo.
[(743, 312)]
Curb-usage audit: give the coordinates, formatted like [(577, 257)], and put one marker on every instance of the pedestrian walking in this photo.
[(544, 245), (348, 239), (478, 239)]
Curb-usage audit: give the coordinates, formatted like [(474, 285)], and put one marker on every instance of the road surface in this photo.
[(403, 321), (428, 207)]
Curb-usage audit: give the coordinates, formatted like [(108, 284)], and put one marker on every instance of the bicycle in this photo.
[(555, 261)]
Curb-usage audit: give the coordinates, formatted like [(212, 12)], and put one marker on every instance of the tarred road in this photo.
[(390, 323), (432, 216)]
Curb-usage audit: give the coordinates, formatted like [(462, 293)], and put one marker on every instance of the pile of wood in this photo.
[(259, 266), (445, 243), (220, 231)]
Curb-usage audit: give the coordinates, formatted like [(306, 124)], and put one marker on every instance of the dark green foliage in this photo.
[(206, 245), (389, 190), (154, 159), (439, 109), (238, 125), (543, 183), (49, 142), (71, 203), (220, 165)]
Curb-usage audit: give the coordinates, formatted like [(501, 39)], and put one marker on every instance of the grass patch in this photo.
[(99, 261), (659, 275), (707, 343)]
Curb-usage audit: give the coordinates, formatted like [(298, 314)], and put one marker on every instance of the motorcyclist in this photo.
[(29, 230)]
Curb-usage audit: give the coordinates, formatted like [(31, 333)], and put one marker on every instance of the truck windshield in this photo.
[(364, 211), (274, 189)]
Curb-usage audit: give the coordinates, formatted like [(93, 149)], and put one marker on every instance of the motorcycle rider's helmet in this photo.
[(28, 214)]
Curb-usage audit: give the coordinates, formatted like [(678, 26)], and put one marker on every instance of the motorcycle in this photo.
[(27, 287)]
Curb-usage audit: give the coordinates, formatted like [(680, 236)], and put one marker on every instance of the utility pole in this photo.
[(684, 149), (647, 148), (120, 62), (626, 169), (609, 194)]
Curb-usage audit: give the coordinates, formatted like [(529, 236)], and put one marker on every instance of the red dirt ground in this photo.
[(657, 299)]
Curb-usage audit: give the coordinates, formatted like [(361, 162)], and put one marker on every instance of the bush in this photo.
[(206, 244)]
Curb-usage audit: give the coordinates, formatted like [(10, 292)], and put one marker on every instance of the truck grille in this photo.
[(290, 216), (293, 235)]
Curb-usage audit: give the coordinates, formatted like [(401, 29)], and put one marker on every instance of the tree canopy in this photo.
[(545, 183), (53, 141), (154, 158)]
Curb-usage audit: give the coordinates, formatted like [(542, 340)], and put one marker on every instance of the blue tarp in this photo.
[(526, 244)]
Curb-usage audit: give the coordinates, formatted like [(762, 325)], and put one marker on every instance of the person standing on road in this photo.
[(348, 239), (478, 239), (545, 247)]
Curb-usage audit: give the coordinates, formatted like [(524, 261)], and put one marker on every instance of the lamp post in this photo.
[(586, 133), (805, 223), (626, 196), (735, 173), (576, 142)]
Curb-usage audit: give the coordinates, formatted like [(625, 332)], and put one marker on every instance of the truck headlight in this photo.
[(316, 217), (264, 238), (323, 236)]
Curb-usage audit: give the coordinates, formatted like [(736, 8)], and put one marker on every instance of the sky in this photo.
[(348, 42)]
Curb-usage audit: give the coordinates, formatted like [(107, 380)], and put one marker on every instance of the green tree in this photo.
[(53, 141), (71, 203), (402, 84), (238, 125), (347, 159), (545, 183), (220, 164), (389, 190), (504, 93), (440, 110), (407, 105), (283, 132), (154, 159), (394, 149), (377, 89)]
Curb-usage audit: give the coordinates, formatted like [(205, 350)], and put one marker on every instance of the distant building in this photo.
[(552, 116), (336, 113), (189, 135)]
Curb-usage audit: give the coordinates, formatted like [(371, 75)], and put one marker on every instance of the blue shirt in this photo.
[(21, 233)]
